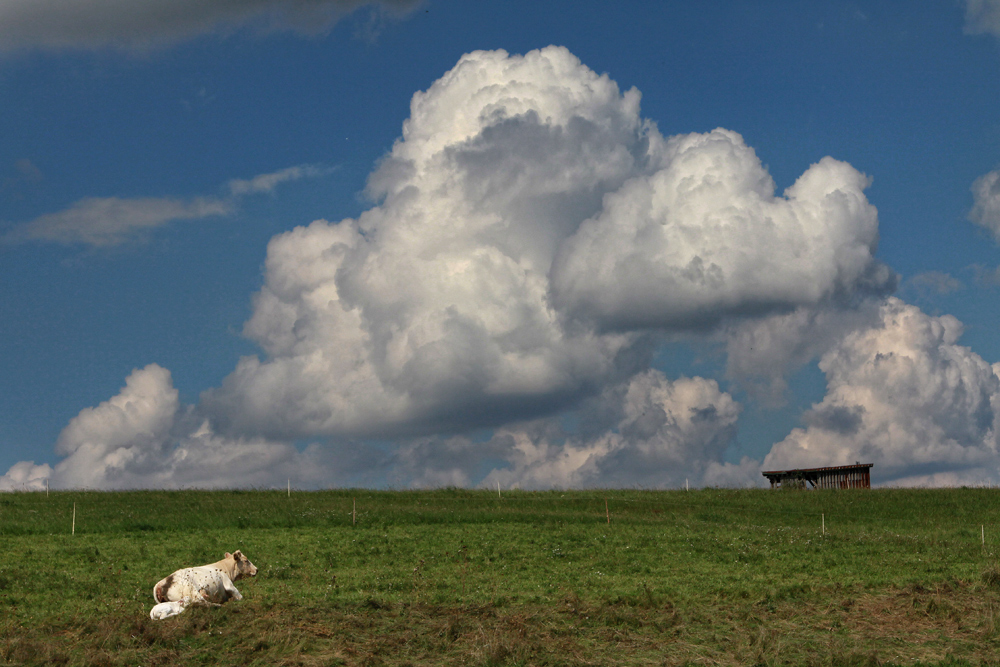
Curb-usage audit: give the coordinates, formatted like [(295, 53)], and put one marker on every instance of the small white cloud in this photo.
[(111, 221), (28, 171), (986, 276), (143, 438), (745, 474), (25, 476), (986, 202), (21, 179), (982, 17), (933, 282), (104, 222), (268, 182), (130, 24)]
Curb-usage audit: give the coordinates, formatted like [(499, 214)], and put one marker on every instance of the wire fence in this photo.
[(923, 511)]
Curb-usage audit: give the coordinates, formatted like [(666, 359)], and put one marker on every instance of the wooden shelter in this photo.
[(857, 476)]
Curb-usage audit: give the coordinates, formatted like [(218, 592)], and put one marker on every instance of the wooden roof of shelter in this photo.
[(857, 476)]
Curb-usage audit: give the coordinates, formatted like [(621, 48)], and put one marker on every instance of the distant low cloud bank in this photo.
[(132, 24), (902, 394), (144, 438), (494, 316)]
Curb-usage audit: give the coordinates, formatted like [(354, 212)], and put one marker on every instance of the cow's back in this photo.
[(206, 582)]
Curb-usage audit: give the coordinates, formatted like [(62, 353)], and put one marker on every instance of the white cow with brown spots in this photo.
[(207, 586)]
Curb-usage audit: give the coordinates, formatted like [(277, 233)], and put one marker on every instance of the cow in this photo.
[(205, 586)]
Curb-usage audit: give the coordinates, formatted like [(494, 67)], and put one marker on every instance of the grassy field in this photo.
[(461, 577)]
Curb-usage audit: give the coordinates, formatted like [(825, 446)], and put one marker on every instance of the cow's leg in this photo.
[(161, 588), (233, 593), (202, 599)]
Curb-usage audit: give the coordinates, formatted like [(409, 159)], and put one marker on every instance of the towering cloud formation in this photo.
[(904, 395), (531, 227), (532, 236)]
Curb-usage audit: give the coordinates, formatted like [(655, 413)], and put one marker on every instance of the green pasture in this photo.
[(528, 578)]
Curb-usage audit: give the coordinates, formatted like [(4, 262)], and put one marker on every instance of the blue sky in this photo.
[(155, 165)]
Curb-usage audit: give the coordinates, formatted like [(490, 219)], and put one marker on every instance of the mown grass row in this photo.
[(465, 577), (151, 511)]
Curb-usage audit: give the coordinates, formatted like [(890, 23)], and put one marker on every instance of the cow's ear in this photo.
[(238, 555), (228, 555)]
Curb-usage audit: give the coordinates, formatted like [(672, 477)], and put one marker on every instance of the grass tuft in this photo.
[(991, 576)]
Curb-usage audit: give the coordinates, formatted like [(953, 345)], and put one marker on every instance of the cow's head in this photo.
[(244, 568)]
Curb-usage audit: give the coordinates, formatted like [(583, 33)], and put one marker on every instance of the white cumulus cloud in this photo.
[(532, 237), (144, 438), (663, 433), (902, 394), (704, 237), (268, 182), (25, 476), (530, 226), (762, 353), (648, 431)]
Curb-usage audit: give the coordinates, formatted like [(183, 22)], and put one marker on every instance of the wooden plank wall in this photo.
[(850, 479), (827, 479)]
